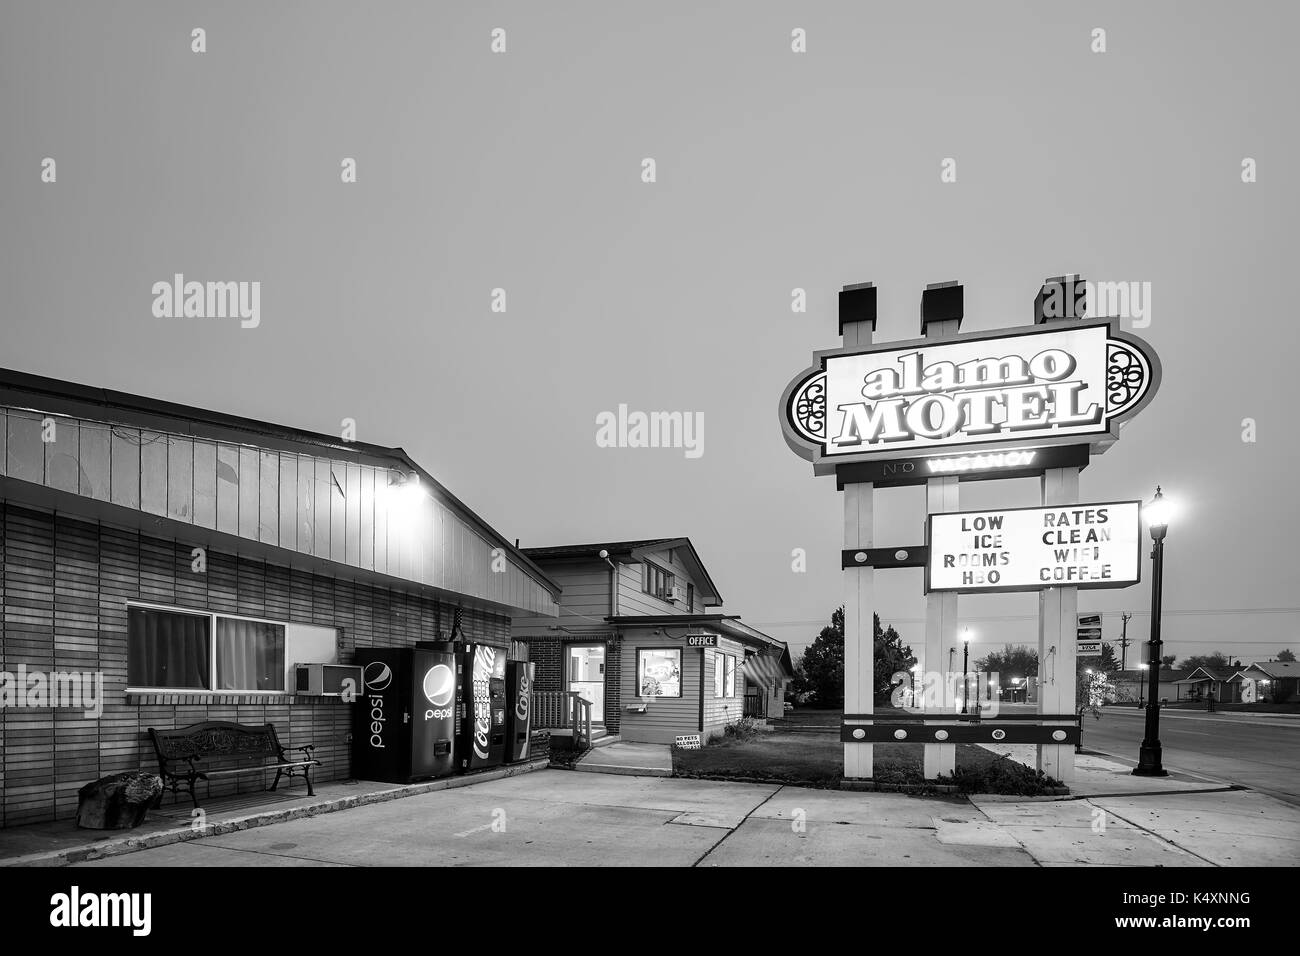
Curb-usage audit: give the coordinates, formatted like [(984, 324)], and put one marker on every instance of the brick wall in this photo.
[(549, 654), (64, 585)]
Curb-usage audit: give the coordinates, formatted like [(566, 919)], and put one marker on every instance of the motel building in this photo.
[(194, 558), (642, 649)]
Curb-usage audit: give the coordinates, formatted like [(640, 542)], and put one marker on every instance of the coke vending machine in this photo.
[(403, 726), (519, 710), (482, 733)]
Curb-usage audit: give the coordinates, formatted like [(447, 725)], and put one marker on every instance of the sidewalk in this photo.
[(643, 760), (61, 842)]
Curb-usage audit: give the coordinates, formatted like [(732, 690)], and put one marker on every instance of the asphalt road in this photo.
[(1258, 752)]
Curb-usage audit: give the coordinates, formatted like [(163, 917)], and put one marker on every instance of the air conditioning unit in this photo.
[(326, 680), (679, 594)]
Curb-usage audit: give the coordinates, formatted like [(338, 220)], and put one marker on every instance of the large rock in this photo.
[(119, 801)]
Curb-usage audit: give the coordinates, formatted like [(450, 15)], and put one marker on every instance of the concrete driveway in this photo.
[(562, 818)]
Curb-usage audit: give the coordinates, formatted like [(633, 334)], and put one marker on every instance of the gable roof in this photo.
[(631, 551), (1203, 672), (1275, 669)]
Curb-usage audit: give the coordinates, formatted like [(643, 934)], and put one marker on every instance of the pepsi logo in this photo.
[(440, 685), (377, 675)]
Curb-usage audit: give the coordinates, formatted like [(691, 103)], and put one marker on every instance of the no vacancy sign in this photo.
[(1027, 549)]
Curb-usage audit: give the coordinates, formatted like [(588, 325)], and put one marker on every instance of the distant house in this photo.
[(1273, 682), (1211, 682), (1131, 685)]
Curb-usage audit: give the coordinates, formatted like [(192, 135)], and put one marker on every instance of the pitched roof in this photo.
[(593, 550), (1276, 669), (21, 390), (634, 550), (1210, 673)]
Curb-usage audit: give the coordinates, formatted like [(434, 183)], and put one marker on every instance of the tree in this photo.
[(1286, 655), (1012, 661), (1217, 659), (822, 663), (1167, 662)]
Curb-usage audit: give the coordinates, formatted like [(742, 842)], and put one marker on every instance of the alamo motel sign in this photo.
[(1030, 401)]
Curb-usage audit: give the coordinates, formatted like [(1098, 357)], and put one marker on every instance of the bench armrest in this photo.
[(306, 751)]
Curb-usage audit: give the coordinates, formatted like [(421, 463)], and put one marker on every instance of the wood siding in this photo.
[(632, 598), (342, 511), (584, 599), (665, 717), (720, 711)]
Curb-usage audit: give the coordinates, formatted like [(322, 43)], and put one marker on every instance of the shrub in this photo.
[(747, 728), (1002, 776)]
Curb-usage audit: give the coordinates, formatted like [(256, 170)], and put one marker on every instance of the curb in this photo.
[(186, 833), (581, 767)]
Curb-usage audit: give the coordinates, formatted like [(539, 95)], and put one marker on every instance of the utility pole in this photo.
[(1123, 642)]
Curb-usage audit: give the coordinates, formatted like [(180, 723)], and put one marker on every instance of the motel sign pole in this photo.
[(1150, 753)]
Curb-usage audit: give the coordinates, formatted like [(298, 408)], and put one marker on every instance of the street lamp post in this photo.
[(965, 659), (1142, 686), (1157, 514)]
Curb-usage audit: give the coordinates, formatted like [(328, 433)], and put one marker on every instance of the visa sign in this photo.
[(1045, 384)]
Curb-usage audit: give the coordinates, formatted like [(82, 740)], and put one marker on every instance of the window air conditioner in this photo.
[(326, 680)]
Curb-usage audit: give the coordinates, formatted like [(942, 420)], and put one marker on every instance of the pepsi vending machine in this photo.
[(482, 733), (519, 709), (405, 718)]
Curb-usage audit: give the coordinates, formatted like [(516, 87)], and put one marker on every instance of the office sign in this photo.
[(1027, 387), (1028, 549), (701, 640)]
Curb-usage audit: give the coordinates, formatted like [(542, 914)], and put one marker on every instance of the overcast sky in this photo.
[(775, 170)]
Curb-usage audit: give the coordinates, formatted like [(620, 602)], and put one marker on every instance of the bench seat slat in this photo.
[(257, 769)]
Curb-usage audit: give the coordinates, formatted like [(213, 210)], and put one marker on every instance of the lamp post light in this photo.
[(1142, 686), (1157, 513), (965, 662)]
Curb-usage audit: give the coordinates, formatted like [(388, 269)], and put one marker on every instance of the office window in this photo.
[(658, 581), (659, 672), (719, 683), (730, 676), (190, 650)]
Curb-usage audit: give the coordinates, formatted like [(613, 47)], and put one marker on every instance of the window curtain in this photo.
[(165, 649), (250, 655)]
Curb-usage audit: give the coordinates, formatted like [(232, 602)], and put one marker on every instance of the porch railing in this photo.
[(755, 705), (563, 710)]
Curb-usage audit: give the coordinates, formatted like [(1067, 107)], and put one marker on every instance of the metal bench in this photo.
[(215, 749)]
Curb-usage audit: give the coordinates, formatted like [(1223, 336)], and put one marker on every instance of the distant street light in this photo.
[(1142, 685), (1157, 513)]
